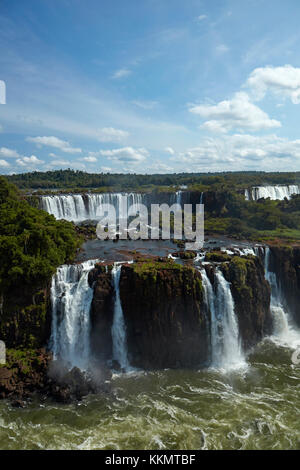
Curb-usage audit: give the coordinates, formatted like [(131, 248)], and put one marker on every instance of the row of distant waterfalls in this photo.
[(71, 297), (80, 207)]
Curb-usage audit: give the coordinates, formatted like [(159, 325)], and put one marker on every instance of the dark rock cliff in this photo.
[(25, 317), (166, 318), (251, 294), (102, 311), (163, 310), (285, 262)]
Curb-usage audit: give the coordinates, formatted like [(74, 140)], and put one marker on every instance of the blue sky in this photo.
[(150, 85)]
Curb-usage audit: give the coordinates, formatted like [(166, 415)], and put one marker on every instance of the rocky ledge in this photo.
[(167, 319), (30, 372)]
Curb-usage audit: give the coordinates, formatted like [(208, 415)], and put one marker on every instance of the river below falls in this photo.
[(257, 407)]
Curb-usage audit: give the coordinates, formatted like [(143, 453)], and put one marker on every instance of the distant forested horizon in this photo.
[(75, 179)]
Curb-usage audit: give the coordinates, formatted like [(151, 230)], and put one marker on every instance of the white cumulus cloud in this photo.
[(238, 113), (241, 151), (126, 154), (4, 163), (8, 153), (283, 81), (51, 141), (90, 159), (28, 161)]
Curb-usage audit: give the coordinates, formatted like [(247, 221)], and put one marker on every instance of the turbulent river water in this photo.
[(255, 407)]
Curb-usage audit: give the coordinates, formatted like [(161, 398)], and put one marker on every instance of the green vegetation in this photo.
[(32, 245), (226, 210), (151, 268), (77, 180), (22, 359), (32, 242), (217, 256), (228, 213)]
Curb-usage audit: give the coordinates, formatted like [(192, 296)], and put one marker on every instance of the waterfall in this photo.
[(178, 197), (226, 351), (71, 298), (79, 207), (273, 192), (284, 330), (209, 299), (118, 329)]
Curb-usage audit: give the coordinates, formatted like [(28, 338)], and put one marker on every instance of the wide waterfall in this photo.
[(273, 192), (71, 298), (284, 329), (79, 207), (118, 330), (226, 351)]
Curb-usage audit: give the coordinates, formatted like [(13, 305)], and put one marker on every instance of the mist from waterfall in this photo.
[(71, 298), (226, 350)]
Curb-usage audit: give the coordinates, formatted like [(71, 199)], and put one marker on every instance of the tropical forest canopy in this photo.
[(32, 242), (71, 180)]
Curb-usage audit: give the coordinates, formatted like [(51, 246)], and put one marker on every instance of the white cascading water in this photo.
[(178, 197), (79, 207), (71, 298), (226, 351), (118, 329), (273, 192), (284, 330)]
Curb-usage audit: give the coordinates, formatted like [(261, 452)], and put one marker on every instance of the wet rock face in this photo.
[(24, 373), (164, 314), (31, 372), (251, 294), (25, 317), (102, 310), (285, 261)]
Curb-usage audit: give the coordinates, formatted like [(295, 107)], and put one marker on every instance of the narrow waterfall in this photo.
[(71, 298), (79, 207), (226, 351), (209, 299), (178, 198), (118, 329), (278, 192), (284, 329)]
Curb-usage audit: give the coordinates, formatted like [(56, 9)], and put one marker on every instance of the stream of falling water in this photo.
[(71, 298), (118, 329), (226, 351)]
